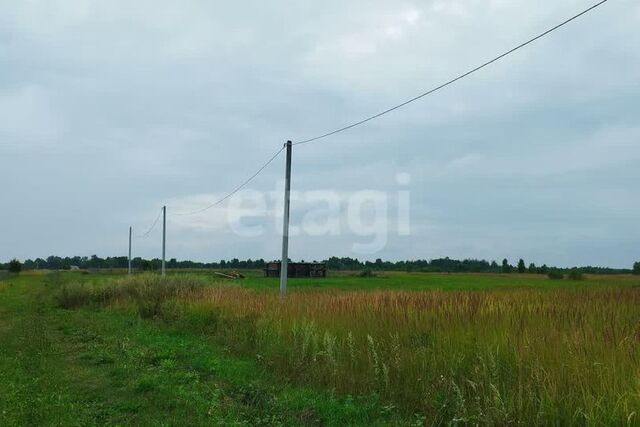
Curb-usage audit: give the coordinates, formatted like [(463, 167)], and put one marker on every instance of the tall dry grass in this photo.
[(495, 357)]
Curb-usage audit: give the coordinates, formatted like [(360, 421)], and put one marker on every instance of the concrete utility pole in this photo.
[(164, 237), (285, 226), (129, 250)]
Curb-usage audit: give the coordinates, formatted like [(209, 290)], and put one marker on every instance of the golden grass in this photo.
[(492, 357)]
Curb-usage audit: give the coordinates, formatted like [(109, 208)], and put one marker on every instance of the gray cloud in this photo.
[(111, 109)]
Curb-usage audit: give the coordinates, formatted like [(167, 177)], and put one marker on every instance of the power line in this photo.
[(145, 234), (375, 116), (497, 58), (236, 189)]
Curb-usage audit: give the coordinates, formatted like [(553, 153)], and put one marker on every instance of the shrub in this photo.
[(73, 295), (636, 268), (15, 266), (367, 273), (575, 274), (555, 275), (153, 296)]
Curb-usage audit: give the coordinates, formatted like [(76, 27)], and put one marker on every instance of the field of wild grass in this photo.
[(491, 357)]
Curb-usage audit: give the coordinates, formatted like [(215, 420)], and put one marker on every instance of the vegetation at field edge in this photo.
[(90, 366), (519, 356)]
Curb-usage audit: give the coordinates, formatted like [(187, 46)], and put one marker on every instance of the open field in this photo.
[(395, 280), (438, 281), (405, 349)]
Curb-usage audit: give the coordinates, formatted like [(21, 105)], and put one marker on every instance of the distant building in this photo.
[(74, 268), (297, 269)]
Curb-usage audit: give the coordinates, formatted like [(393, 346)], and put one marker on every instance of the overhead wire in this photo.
[(146, 233), (461, 76), (375, 116), (235, 190)]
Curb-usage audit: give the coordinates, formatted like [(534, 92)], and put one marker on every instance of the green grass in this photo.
[(98, 349), (428, 281), (87, 367), (391, 280)]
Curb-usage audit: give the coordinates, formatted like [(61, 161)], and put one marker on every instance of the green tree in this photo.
[(15, 266), (533, 268), (636, 267), (506, 268), (521, 266)]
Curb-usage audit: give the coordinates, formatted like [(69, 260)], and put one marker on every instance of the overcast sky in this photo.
[(111, 109)]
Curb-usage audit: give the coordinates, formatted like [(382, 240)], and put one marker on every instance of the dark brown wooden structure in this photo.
[(297, 269)]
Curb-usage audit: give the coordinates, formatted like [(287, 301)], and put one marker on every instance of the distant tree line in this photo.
[(440, 265), (448, 265), (95, 262)]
